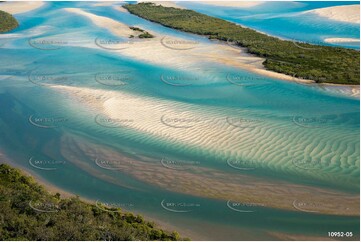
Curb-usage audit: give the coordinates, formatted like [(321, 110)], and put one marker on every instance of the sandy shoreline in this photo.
[(191, 55), (188, 56), (52, 189), (20, 7), (347, 13), (182, 53)]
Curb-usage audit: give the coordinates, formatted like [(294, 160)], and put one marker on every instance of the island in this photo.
[(323, 64), (7, 22), (143, 34), (29, 212)]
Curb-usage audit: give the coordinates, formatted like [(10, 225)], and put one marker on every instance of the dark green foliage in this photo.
[(71, 218), (307, 61), (144, 34), (7, 22), (136, 29)]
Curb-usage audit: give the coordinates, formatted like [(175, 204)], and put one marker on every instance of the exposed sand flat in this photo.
[(341, 40), (20, 7), (113, 26), (237, 4), (347, 13)]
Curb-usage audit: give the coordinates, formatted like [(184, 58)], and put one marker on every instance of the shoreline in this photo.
[(194, 55), (53, 189), (337, 75), (231, 55)]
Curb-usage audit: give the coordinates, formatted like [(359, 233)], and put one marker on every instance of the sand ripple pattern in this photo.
[(311, 146)]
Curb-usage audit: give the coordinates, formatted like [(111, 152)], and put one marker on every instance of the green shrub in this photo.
[(7, 22), (73, 219)]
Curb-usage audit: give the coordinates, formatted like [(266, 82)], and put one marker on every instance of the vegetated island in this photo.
[(28, 212), (323, 64), (7, 22), (143, 34)]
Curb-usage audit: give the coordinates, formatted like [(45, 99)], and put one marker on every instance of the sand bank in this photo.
[(113, 26), (20, 7), (341, 40), (347, 13)]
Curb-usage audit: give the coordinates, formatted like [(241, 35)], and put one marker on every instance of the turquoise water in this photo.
[(271, 138), (287, 20)]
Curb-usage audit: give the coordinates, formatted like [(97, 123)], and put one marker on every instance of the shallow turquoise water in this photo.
[(287, 123)]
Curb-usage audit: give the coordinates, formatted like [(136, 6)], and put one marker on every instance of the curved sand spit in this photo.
[(113, 26)]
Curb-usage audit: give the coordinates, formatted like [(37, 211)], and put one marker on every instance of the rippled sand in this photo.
[(244, 135), (210, 183)]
